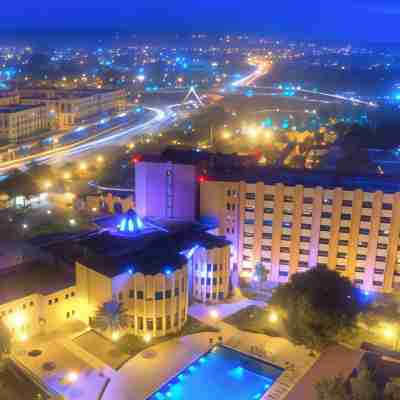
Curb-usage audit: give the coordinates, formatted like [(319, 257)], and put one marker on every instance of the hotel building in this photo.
[(291, 221)]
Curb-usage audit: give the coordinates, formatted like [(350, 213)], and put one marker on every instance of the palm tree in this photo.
[(5, 340), (111, 316)]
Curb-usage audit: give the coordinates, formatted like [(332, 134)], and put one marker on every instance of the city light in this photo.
[(82, 166), (147, 338), (100, 159), (67, 176), (115, 336), (47, 185), (72, 222), (23, 337), (273, 317), (72, 377), (214, 314)]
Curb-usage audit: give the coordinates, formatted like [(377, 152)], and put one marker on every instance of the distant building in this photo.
[(70, 107), (9, 97), (19, 121)]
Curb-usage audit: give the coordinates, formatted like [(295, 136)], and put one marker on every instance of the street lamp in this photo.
[(72, 377), (100, 159), (72, 222), (392, 333), (273, 317), (115, 336), (147, 338)]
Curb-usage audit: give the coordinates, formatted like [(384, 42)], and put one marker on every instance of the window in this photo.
[(248, 234), (221, 295), (149, 324), (308, 200), (120, 296), (50, 302), (228, 206), (268, 210), (56, 300), (139, 295), (249, 221), (66, 296), (286, 237), (346, 217), (209, 267), (159, 324), (322, 253), (131, 294), (250, 196), (343, 242), (288, 199), (285, 250), (306, 226), (380, 258), (249, 209), (367, 204), (267, 235), (344, 229), (228, 193), (323, 241), (159, 295), (208, 281), (283, 273), (382, 246), (265, 260), (341, 255), (176, 316), (267, 223), (68, 315), (269, 197), (347, 203), (363, 245), (386, 220), (72, 294), (361, 257), (365, 218), (377, 283), (304, 252), (326, 214), (364, 231), (140, 323), (360, 270), (266, 248), (325, 228), (168, 294), (387, 206), (31, 304), (176, 292), (215, 267), (305, 239)]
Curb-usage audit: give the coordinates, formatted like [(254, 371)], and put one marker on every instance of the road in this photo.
[(119, 136)]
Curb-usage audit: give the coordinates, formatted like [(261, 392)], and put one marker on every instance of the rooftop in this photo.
[(157, 247), (308, 178), (13, 108), (34, 278)]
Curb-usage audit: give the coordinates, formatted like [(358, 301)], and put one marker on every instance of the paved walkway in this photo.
[(337, 360)]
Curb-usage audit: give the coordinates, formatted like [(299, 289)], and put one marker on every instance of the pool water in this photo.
[(221, 374)]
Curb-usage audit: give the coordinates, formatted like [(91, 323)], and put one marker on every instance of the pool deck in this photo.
[(143, 374)]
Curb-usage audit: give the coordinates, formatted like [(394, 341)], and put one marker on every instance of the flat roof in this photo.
[(13, 108), (308, 178), (34, 278)]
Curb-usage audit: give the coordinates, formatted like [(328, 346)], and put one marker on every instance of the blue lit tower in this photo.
[(130, 223)]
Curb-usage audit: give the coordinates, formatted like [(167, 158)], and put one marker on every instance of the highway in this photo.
[(119, 136)]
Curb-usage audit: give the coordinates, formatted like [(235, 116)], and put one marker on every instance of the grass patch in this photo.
[(133, 345), (254, 319), (102, 348)]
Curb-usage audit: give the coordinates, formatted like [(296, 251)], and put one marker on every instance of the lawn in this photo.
[(102, 348), (133, 345), (255, 319)]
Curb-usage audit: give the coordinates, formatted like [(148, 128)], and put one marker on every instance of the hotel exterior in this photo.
[(291, 221)]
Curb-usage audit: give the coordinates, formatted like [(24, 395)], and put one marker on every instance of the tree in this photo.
[(363, 386), (111, 316), (332, 389), (261, 273), (5, 340), (392, 390), (317, 306)]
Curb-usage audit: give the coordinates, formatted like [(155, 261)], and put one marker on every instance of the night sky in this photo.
[(367, 20)]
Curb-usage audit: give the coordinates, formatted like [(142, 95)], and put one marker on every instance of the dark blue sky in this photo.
[(369, 20)]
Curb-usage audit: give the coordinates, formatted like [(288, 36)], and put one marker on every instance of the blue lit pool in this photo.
[(221, 374)]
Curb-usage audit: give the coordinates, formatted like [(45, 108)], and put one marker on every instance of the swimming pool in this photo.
[(221, 374)]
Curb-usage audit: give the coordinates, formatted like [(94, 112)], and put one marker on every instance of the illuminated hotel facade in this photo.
[(292, 221)]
